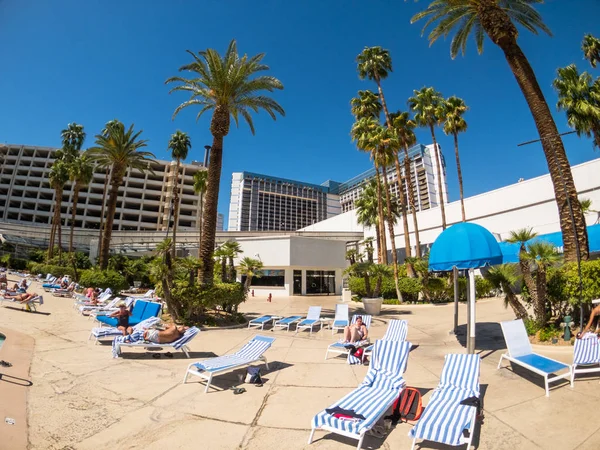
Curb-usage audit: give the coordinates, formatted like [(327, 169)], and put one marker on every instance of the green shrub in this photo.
[(439, 291), (9, 260), (194, 301), (590, 275), (548, 332), (483, 288), (37, 255), (56, 271), (103, 279), (531, 327), (409, 287)]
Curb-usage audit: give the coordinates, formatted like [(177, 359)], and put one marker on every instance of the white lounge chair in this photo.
[(312, 318), (286, 322), (445, 419), (103, 332), (342, 348), (373, 397), (85, 301), (248, 354), (261, 321), (520, 352), (341, 318), (586, 356), (136, 339), (29, 304), (108, 306)]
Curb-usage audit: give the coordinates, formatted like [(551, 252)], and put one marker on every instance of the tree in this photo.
[(426, 104), (81, 172), (521, 237), (579, 97), (58, 177), (200, 179), (497, 20), (375, 63), (367, 213), (452, 113), (368, 243), (404, 128), (232, 250), (504, 277), (72, 139), (120, 150), (220, 256), (541, 255), (250, 267), (223, 84), (367, 104), (179, 144), (162, 270), (591, 49)]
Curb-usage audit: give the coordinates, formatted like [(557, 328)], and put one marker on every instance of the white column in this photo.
[(471, 288), (303, 282), (455, 275)]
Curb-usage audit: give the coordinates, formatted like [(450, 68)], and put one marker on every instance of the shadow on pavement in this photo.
[(488, 336), (28, 312)]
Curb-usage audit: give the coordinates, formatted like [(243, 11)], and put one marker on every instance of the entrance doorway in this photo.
[(320, 282), (297, 282)]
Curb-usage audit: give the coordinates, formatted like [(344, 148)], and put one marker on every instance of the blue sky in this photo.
[(94, 60)]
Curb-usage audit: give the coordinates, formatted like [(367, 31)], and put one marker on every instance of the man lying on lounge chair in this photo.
[(171, 334), (21, 298)]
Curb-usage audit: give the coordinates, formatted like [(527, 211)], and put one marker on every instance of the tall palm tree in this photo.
[(579, 97), (200, 179), (426, 104), (58, 177), (179, 144), (375, 63), (224, 84), (72, 138), (250, 267), (504, 277), (367, 213), (119, 149), (220, 256), (404, 128), (521, 237), (233, 249), (110, 125), (81, 172), (541, 255), (497, 20), (366, 104), (591, 49), (452, 113)]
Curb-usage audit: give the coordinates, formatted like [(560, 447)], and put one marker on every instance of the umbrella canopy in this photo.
[(464, 246)]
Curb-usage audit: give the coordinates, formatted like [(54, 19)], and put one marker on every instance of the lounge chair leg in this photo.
[(413, 444), (312, 434), (208, 383), (500, 362), (573, 375), (546, 384), (266, 362), (360, 441)]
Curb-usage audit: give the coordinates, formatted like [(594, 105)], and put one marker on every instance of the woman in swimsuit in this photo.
[(122, 316), (356, 332)]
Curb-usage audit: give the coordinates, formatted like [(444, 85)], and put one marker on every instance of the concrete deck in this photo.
[(82, 398)]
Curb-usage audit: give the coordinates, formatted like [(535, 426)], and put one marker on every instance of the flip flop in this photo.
[(5, 364), (237, 391), (169, 355), (156, 355)]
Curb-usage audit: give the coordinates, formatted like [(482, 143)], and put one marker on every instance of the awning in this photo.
[(510, 252)]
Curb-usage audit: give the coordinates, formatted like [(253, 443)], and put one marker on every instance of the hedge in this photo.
[(56, 271), (103, 279)]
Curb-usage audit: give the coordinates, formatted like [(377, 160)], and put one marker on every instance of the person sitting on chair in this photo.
[(356, 332), (595, 312), (122, 316), (171, 334)]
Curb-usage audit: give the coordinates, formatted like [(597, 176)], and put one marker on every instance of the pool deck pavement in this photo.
[(82, 398)]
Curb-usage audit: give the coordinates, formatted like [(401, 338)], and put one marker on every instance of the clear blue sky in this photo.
[(91, 61)]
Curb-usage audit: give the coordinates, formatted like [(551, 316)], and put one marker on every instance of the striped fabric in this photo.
[(587, 350), (397, 330), (99, 332), (445, 418), (376, 393), (189, 334), (250, 352), (137, 335), (110, 305)]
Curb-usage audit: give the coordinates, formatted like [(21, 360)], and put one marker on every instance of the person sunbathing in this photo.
[(122, 316), (171, 334), (356, 332), (23, 298)]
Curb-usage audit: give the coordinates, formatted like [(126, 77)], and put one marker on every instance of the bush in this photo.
[(37, 255), (10, 261), (483, 287), (409, 287), (439, 291), (548, 332), (531, 327), (56, 271), (103, 279), (590, 275), (195, 301)]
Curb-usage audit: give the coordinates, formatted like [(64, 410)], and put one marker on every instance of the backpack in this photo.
[(407, 407)]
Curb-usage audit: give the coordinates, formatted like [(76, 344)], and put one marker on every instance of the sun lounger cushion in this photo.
[(252, 351), (587, 350), (542, 363)]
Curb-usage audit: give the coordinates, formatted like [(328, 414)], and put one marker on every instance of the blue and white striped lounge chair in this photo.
[(248, 354), (312, 318), (397, 330), (286, 322), (261, 321), (83, 300), (445, 420), (586, 356), (110, 306), (341, 318), (342, 347), (373, 397), (104, 332), (136, 339), (520, 352)]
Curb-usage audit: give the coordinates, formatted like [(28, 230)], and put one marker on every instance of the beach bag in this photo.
[(409, 406)]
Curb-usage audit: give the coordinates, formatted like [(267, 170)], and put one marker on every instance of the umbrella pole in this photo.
[(455, 273), (472, 320)]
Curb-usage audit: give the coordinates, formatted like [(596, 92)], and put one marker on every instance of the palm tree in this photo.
[(81, 173), (591, 49), (58, 177), (72, 138), (368, 243), (110, 125), (233, 249), (375, 63), (496, 19), (541, 255), (120, 150), (162, 271), (504, 277), (200, 179), (426, 104), (223, 84), (579, 97), (452, 114), (367, 104), (179, 144), (404, 128), (220, 255), (250, 267), (521, 237), (367, 213)]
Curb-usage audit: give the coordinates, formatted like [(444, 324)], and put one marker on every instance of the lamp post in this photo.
[(572, 216)]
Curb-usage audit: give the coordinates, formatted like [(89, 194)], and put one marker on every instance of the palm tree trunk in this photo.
[(527, 276), (231, 270), (101, 232), (382, 250), (515, 304), (540, 304), (59, 224), (390, 221), (52, 232), (411, 200), (388, 120), (402, 198), (224, 270), (438, 166), (73, 214), (556, 157), (175, 210), (115, 182), (460, 180)]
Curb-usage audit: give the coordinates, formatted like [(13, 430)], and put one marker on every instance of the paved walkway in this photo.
[(83, 399)]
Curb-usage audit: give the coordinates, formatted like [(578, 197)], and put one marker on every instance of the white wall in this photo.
[(319, 253), (342, 222)]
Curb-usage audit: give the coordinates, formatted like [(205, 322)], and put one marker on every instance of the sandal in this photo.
[(378, 432), (237, 391), (5, 364), (169, 355), (156, 355)]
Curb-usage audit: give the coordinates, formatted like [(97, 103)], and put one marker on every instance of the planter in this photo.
[(372, 305)]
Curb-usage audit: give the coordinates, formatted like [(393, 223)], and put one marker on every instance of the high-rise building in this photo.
[(220, 221), (143, 203), (424, 177), (265, 203)]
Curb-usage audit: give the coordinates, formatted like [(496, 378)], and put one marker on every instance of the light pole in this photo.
[(572, 216)]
